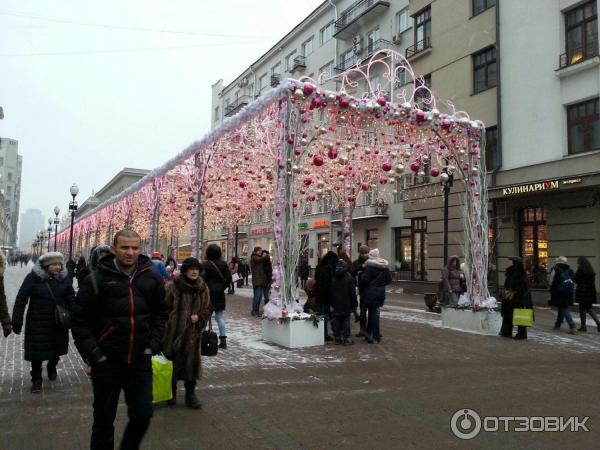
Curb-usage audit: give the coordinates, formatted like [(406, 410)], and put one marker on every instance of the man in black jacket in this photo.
[(118, 324)]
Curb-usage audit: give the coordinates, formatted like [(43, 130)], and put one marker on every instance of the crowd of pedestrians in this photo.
[(129, 307)]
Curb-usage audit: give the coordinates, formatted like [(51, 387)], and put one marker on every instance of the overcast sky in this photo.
[(91, 87)]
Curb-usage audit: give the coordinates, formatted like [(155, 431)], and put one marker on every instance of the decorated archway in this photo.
[(300, 143)]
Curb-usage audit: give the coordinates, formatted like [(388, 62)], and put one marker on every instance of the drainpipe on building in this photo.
[(335, 44), (498, 144)]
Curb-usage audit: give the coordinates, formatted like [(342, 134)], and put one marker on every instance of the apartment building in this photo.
[(546, 193), (11, 164), (528, 70)]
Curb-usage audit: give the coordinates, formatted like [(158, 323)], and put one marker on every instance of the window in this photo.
[(402, 78), (276, 70), (484, 70), (347, 59), (534, 244), (492, 157), (289, 60), (262, 82), (423, 96), (480, 6), (372, 38), (327, 69), (251, 90), (403, 250), (583, 126), (8, 190), (10, 176), (403, 20), (216, 114), (581, 33), (419, 248), (423, 29), (323, 244), (1, 162), (326, 33), (373, 238), (307, 47)]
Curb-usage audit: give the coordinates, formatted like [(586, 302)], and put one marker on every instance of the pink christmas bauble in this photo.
[(332, 153), (307, 181), (381, 101), (318, 160), (420, 116), (308, 89), (434, 172), (415, 166), (344, 102), (387, 166), (364, 186)]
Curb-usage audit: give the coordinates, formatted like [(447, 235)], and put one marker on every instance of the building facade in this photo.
[(32, 221), (10, 182), (540, 104), (546, 194)]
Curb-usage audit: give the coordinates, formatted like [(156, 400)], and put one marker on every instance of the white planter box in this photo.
[(293, 333), (481, 322)]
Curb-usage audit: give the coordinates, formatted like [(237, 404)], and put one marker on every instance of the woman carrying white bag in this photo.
[(188, 299)]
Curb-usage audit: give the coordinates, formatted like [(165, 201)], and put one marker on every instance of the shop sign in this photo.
[(259, 231), (321, 224), (303, 226), (572, 181), (184, 254), (533, 187)]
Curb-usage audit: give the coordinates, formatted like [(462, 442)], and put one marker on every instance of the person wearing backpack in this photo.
[(562, 288)]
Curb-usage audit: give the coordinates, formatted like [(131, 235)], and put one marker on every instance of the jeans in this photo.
[(260, 292), (564, 313), (220, 322), (108, 379), (373, 321), (342, 325), (36, 368)]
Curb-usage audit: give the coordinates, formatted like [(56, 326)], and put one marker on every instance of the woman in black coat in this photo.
[(585, 292), (323, 278), (47, 285), (562, 288), (516, 295), (375, 277), (217, 276)]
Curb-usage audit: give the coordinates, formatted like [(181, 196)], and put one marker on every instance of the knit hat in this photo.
[(562, 260), (190, 263), (155, 255), (374, 253), (51, 258), (364, 249)]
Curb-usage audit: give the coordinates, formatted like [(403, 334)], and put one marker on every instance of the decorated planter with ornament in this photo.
[(294, 332), (482, 321)]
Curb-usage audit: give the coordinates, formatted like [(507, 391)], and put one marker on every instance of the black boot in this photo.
[(191, 401), (51, 368), (36, 377), (223, 342), (173, 400)]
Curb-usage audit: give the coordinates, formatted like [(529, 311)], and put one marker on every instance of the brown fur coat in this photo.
[(182, 338)]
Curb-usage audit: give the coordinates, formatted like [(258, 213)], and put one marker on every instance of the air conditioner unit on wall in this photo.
[(243, 82), (397, 39), (356, 44)]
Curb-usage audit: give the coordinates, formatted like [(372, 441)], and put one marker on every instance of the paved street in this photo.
[(401, 393)]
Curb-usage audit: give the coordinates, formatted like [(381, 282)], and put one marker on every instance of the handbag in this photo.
[(62, 316), (234, 277), (523, 317), (209, 344), (162, 373)]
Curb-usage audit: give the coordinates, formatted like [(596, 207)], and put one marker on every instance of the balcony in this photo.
[(364, 212), (418, 47), (275, 80), (346, 64), (577, 55), (232, 109), (379, 44), (298, 63), (348, 25)]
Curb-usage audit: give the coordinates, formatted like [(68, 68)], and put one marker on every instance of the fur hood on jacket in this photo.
[(44, 275), (378, 263)]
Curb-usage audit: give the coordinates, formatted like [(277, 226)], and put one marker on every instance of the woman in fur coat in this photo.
[(47, 285), (188, 299)]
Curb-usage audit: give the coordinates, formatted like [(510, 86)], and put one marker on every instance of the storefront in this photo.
[(543, 220), (262, 237)]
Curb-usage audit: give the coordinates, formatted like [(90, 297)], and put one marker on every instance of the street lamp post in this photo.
[(56, 222), (448, 179), (41, 241), (49, 232), (72, 207)]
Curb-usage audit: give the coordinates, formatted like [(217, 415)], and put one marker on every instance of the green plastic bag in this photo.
[(162, 372), (523, 317)]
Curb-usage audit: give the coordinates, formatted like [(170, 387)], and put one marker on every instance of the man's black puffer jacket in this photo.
[(117, 316)]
